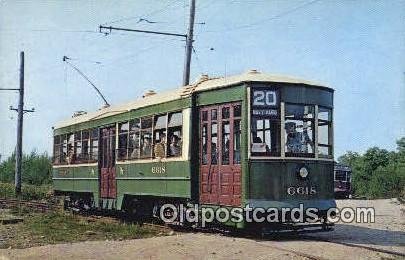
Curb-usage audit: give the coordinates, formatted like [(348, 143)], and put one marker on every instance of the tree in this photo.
[(401, 145), (349, 158), (36, 169), (378, 173), (374, 158)]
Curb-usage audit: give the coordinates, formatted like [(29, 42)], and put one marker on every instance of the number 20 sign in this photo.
[(264, 98)]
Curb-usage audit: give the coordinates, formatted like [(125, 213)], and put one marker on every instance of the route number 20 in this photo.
[(264, 98)]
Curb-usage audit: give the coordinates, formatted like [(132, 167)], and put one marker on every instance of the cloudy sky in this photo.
[(356, 47)]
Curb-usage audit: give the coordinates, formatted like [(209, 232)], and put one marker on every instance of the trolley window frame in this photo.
[(313, 126), (315, 154), (329, 124)]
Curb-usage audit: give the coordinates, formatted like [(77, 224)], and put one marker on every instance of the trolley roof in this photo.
[(203, 84)]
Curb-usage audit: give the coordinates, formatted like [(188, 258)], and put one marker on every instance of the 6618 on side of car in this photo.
[(253, 139)]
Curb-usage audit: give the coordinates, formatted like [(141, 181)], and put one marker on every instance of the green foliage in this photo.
[(378, 173), (58, 227), (36, 169), (401, 145), (28, 192)]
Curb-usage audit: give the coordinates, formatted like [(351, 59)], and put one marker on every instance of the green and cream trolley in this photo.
[(253, 138)]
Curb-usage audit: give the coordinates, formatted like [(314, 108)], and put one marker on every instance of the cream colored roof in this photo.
[(202, 84)]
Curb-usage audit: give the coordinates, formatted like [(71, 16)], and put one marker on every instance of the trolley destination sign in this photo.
[(265, 112), (265, 102)]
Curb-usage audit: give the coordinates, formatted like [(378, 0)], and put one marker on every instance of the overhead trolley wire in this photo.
[(247, 26), (141, 16), (198, 61), (50, 30)]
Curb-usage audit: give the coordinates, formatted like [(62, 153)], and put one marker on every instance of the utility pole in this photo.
[(18, 150), (188, 37), (189, 45), (21, 111)]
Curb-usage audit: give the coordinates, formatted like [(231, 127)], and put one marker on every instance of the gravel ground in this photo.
[(388, 233)]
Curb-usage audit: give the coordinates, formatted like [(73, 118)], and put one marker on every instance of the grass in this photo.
[(60, 227), (28, 192)]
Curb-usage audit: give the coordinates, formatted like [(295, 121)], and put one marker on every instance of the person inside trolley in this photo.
[(147, 146), (297, 142), (160, 147), (175, 148)]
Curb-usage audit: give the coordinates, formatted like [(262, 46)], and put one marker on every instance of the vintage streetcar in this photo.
[(343, 181), (251, 139)]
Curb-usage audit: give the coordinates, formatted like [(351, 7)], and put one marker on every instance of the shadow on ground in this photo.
[(363, 235), (347, 234)]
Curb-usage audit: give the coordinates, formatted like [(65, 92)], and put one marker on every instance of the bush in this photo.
[(378, 173), (36, 169), (386, 182)]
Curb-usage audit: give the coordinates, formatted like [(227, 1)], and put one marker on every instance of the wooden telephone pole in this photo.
[(20, 110), (189, 45)]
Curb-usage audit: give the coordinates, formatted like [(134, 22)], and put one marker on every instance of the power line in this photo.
[(113, 61), (247, 26), (140, 16), (50, 30), (198, 61)]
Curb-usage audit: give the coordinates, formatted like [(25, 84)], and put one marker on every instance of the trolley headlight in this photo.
[(303, 172)]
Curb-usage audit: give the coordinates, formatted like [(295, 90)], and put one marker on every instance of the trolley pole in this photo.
[(18, 150), (189, 45)]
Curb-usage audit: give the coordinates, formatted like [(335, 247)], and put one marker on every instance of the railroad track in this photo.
[(34, 205), (48, 207)]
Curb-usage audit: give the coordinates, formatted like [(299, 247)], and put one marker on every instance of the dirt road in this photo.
[(387, 233)]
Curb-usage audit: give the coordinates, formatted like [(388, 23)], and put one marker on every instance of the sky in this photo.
[(355, 47)]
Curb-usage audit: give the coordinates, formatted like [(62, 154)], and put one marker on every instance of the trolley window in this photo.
[(151, 137), (134, 138), (265, 136), (94, 145), (237, 133), (77, 147), (85, 156), (324, 132), (159, 136), (175, 134), (70, 155), (57, 149), (64, 143), (265, 122), (123, 130), (340, 176), (146, 137), (299, 130)]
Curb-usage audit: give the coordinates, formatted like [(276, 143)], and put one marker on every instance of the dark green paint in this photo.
[(218, 96), (270, 180)]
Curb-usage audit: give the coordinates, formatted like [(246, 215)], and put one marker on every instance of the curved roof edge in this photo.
[(203, 84)]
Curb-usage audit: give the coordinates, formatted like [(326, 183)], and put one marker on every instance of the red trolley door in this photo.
[(108, 185), (220, 154)]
